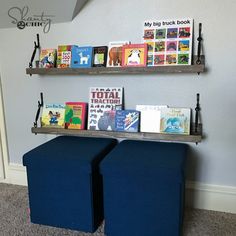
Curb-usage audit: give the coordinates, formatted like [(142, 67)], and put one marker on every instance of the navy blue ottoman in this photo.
[(65, 187), (143, 184)]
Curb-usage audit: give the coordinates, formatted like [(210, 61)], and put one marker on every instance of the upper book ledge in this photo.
[(195, 68)]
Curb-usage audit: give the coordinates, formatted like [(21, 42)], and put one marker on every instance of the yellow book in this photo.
[(53, 115)]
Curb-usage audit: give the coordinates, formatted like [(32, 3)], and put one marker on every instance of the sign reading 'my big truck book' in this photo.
[(103, 103), (169, 42)]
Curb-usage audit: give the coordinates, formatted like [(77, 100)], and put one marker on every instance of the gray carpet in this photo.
[(14, 219)]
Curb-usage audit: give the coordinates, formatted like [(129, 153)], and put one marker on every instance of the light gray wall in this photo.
[(213, 161)]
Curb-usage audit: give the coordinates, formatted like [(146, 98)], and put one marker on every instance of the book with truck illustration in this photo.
[(103, 103), (169, 41)]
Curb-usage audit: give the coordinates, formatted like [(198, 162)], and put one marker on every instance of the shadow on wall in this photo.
[(192, 170)]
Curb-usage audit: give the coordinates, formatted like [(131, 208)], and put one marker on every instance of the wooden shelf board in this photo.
[(196, 138), (195, 68)]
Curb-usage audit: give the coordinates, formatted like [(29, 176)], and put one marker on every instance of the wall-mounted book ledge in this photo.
[(194, 137), (195, 68)]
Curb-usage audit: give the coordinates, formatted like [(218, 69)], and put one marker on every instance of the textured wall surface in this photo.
[(212, 161)]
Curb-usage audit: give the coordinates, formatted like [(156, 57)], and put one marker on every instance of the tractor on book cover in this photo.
[(107, 120)]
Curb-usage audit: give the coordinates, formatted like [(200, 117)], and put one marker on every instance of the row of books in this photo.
[(117, 54), (164, 42), (104, 111)]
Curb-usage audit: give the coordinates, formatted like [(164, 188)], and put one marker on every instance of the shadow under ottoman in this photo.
[(65, 188), (143, 183)]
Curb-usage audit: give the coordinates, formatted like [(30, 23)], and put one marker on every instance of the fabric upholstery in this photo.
[(143, 184), (65, 187)]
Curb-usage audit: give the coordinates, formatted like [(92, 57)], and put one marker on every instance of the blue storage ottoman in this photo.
[(143, 184), (65, 188)]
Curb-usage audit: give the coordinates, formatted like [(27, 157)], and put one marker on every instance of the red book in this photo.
[(75, 115)]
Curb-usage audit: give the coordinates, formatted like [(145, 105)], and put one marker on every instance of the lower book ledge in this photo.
[(195, 138)]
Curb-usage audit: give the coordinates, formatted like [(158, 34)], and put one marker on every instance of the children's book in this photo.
[(103, 103), (150, 117), (169, 41), (127, 120), (75, 115), (114, 55), (81, 57), (53, 115), (64, 56), (175, 120), (100, 56), (134, 55), (47, 58)]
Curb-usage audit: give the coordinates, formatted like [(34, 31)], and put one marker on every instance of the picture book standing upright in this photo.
[(169, 42), (53, 115), (99, 56), (150, 117), (47, 58), (103, 103), (175, 120), (134, 55), (127, 121), (114, 55), (75, 115), (81, 57), (64, 56)]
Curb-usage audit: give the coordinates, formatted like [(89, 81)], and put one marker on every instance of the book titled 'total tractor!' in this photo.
[(103, 103)]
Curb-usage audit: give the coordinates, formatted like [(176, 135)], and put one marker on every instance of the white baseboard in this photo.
[(16, 175), (198, 195), (211, 197)]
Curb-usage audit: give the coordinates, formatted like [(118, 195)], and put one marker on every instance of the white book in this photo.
[(150, 117)]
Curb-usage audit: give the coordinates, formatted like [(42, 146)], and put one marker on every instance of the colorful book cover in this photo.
[(127, 120), (100, 56), (53, 115), (75, 115), (103, 103), (47, 58), (114, 55), (134, 55), (169, 42), (81, 57), (150, 117), (175, 120), (64, 56)]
